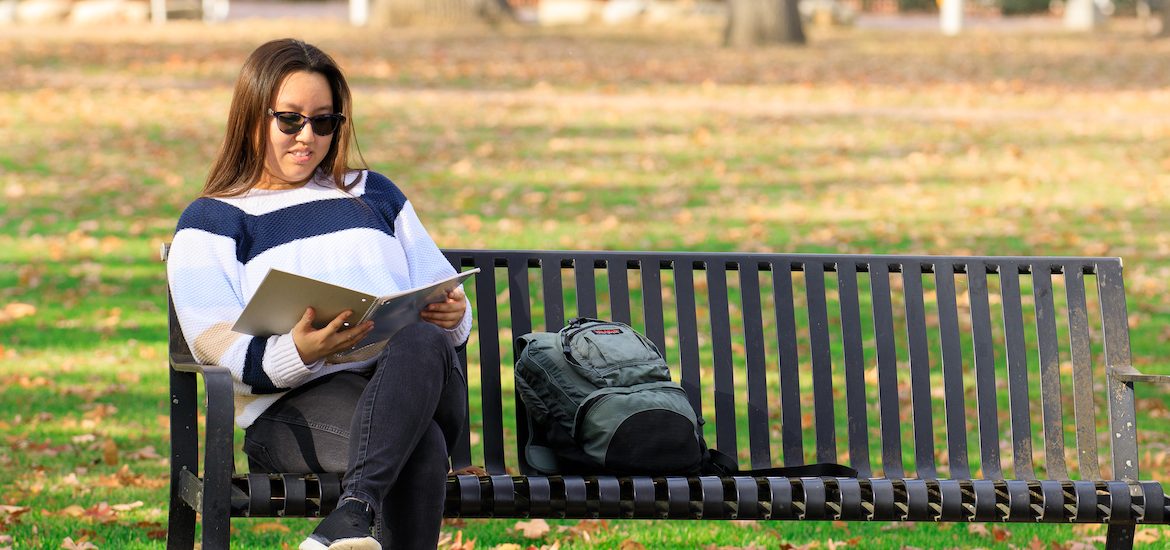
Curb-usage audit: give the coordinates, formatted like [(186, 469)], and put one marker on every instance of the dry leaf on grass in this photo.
[(82, 544), (533, 529), (145, 453), (1147, 536), (979, 529), (110, 452), (16, 310), (447, 542)]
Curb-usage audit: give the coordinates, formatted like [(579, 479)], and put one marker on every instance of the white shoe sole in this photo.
[(364, 543)]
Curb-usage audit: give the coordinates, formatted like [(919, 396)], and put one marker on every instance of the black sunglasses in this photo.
[(292, 123)]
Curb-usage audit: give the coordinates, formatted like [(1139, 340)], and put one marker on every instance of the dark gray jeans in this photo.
[(389, 432)]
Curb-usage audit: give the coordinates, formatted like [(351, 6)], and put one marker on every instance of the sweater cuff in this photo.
[(283, 363)]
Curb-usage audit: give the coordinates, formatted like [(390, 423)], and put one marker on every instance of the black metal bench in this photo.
[(947, 382)]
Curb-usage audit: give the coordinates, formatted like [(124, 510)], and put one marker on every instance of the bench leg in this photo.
[(1120, 536), (216, 532), (180, 525), (184, 457)]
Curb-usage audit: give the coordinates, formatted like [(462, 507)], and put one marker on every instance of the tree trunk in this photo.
[(761, 22), (1165, 12)]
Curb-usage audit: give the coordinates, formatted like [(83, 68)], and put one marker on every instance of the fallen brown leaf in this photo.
[(533, 529), (110, 452), (82, 544)]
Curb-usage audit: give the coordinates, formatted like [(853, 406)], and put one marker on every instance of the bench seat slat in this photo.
[(747, 498)]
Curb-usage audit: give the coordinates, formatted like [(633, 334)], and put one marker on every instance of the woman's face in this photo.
[(289, 160)]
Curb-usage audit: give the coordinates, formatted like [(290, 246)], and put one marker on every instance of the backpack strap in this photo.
[(721, 464)]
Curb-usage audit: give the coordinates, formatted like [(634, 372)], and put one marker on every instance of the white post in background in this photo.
[(359, 12), (215, 11), (951, 17), (158, 11), (1082, 15)]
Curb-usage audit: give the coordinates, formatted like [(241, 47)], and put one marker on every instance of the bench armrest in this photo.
[(1130, 374), (218, 449)]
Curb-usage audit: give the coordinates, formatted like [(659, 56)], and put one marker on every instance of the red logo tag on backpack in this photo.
[(607, 331)]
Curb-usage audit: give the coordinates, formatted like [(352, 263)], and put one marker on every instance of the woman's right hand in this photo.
[(316, 344)]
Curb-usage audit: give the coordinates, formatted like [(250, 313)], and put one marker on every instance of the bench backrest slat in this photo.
[(520, 306), (688, 333), (887, 370), (952, 369), (1017, 371), (586, 287), (822, 362), (1048, 349), (854, 355), (724, 368), (985, 390), (1082, 386), (756, 366), (619, 291), (1115, 325), (652, 312), (791, 429), (553, 294), (491, 397), (920, 385)]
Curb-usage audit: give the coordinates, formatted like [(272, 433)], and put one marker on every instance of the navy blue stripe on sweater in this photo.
[(377, 209), (253, 374)]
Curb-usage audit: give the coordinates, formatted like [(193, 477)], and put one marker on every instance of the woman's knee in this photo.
[(420, 335)]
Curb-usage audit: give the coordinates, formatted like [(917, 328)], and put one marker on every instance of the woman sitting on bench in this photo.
[(282, 194)]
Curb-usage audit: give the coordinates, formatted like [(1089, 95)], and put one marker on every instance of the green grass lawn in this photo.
[(1007, 143)]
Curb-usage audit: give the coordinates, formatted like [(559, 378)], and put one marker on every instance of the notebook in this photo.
[(283, 297)]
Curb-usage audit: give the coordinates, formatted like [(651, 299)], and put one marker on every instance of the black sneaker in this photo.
[(346, 528)]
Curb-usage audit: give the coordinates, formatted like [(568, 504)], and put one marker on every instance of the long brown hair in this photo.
[(240, 162)]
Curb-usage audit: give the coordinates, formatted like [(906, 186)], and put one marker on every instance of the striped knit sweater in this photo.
[(370, 240)]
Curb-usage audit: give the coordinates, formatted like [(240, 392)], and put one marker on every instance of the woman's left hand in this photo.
[(449, 313)]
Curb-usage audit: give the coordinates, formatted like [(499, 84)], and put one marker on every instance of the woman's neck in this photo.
[(268, 182)]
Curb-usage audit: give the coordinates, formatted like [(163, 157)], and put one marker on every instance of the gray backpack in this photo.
[(600, 400)]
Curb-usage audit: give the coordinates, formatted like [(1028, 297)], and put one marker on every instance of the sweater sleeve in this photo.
[(204, 276), (427, 263)]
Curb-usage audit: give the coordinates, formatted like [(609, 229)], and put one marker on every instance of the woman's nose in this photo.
[(306, 134)]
